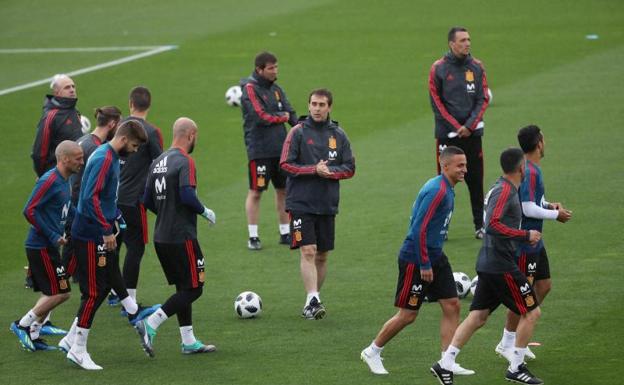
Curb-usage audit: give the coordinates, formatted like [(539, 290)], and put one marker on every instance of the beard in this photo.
[(191, 148)]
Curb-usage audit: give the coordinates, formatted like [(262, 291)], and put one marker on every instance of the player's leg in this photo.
[(474, 180), (518, 295), (135, 238), (93, 279), (485, 300), (409, 297), (324, 229), (257, 184), (279, 183)]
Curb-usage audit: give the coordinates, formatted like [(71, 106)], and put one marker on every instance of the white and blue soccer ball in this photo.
[(86, 124), (473, 284), (233, 96), (462, 283), (248, 305)]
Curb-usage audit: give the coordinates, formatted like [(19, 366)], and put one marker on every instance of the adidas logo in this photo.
[(161, 167)]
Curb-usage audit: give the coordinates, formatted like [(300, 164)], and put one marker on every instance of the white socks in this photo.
[(375, 349), (156, 319), (130, 304), (71, 334), (284, 228), (28, 319), (253, 231), (509, 339), (312, 295), (35, 329), (80, 344), (132, 293), (448, 358), (517, 358), (186, 332)]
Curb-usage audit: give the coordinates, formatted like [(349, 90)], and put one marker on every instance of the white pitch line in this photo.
[(96, 67), (78, 49)]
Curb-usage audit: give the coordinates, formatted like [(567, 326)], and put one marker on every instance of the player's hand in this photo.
[(322, 169), (426, 275), (110, 242), (62, 241), (534, 237), (556, 206), (209, 215), (463, 132), (564, 215), (287, 115)]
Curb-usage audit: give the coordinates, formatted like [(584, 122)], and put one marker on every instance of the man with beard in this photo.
[(170, 192), (47, 210), (107, 119), (95, 243)]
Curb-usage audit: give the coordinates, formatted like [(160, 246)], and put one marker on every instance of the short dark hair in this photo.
[(264, 58), (133, 130), (322, 92), (104, 115), (450, 151), (453, 31), (511, 159), (529, 137), (141, 98)]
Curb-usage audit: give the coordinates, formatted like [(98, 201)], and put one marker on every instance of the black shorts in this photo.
[(261, 171), (511, 289), (95, 266), (411, 290), (534, 265), (136, 224), (183, 263), (311, 229), (48, 272)]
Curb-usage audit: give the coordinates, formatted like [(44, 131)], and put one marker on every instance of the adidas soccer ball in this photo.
[(473, 284), (86, 124), (462, 282), (233, 96), (248, 305)]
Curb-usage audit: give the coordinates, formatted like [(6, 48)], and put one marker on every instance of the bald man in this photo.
[(47, 210), (170, 194), (60, 121)]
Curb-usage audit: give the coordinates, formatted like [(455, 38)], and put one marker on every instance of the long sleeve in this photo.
[(435, 87), (43, 139), (476, 116), (42, 193), (290, 155), (253, 104), (346, 169)]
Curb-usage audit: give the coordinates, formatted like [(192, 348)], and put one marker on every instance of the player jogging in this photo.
[(532, 259), (424, 269), (170, 193)]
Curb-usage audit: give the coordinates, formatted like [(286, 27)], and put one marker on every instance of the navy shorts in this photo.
[(411, 290), (48, 273), (261, 171), (534, 265), (312, 229), (512, 289), (182, 263)]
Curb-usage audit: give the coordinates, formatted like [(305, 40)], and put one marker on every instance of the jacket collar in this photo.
[(59, 102), (451, 58), (260, 80)]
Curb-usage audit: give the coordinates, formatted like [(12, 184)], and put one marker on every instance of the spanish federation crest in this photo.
[(332, 142)]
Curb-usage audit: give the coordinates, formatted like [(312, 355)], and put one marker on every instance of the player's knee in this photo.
[(254, 195), (533, 315), (308, 252), (196, 292), (543, 287), (407, 316), (321, 257), (63, 297)]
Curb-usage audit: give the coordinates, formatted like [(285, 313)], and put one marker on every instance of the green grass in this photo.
[(375, 56)]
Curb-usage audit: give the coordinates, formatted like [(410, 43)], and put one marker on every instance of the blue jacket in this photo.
[(97, 202), (47, 210), (431, 215)]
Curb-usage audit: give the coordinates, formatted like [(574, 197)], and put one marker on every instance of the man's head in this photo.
[(453, 164), (63, 86), (129, 136), (108, 118), (266, 66), (140, 99), (319, 104), (459, 41), (69, 157), (185, 134), (512, 162), (531, 139)]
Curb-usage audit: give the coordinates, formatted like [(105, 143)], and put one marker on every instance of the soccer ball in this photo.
[(490, 96), (248, 305), (462, 282), (233, 96), (86, 124), (473, 284)]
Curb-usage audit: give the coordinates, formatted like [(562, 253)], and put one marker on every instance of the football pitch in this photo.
[(544, 67)]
